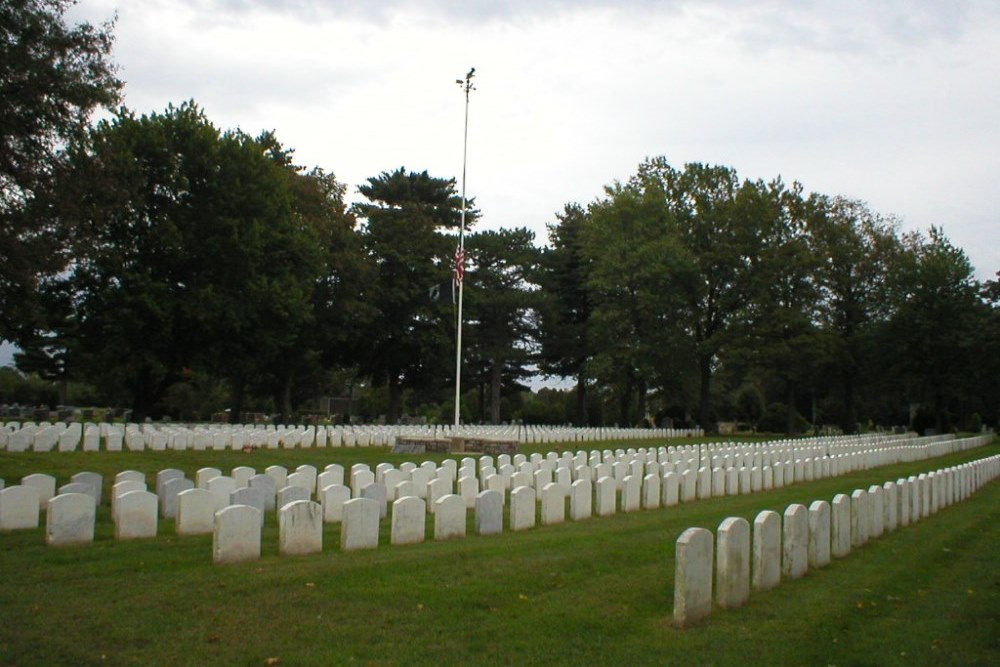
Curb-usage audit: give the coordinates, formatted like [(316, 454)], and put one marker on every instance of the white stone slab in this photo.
[(581, 500), (766, 550), (333, 497), (44, 484), (693, 576), (236, 534), (522, 508), (136, 515), (69, 519), (840, 526), (449, 517), (795, 542), (359, 525), (489, 513), (732, 574), (300, 528), (819, 534), (859, 518), (195, 512), (409, 520), (606, 496)]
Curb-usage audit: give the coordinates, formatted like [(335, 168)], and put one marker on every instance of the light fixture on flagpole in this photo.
[(466, 85)]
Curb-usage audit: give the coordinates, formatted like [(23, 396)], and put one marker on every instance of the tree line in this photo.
[(176, 268)]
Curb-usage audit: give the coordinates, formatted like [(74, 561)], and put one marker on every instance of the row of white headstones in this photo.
[(91, 437), (789, 545), (671, 475)]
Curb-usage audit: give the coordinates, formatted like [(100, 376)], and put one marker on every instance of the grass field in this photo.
[(593, 592)]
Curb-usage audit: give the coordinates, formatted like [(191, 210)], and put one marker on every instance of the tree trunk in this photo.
[(286, 399), (395, 398), (625, 401), (581, 401), (641, 417), (790, 425), (705, 393), (495, 384), (236, 400)]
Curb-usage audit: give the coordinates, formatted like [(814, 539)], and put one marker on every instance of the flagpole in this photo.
[(467, 86)]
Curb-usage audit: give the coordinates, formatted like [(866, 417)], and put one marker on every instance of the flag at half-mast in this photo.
[(459, 264)]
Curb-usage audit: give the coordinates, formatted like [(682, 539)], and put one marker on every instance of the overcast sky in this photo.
[(893, 102)]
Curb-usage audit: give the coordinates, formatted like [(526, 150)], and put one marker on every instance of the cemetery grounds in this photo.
[(597, 591)]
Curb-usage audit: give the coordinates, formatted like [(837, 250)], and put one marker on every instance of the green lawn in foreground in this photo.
[(592, 592)]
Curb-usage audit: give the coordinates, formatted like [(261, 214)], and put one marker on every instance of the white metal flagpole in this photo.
[(467, 86)]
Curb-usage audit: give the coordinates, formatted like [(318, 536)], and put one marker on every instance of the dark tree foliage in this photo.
[(407, 341), (52, 77)]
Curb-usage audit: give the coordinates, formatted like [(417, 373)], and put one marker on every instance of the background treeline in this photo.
[(159, 263)]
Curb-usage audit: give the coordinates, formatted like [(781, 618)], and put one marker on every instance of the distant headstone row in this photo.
[(580, 485), (46, 437), (786, 546)]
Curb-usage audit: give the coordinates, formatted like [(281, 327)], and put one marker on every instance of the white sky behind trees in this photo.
[(893, 102)]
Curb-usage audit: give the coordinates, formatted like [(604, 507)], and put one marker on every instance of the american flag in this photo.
[(459, 263)]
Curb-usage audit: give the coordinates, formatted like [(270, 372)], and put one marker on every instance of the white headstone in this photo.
[(236, 534), (606, 496), (766, 550), (409, 520), (819, 534), (359, 524), (522, 508), (693, 576), (195, 512), (44, 484), (449, 517), (168, 495), (840, 526), (300, 528), (136, 515), (581, 500), (795, 542), (333, 497), (70, 519), (489, 513), (732, 574)]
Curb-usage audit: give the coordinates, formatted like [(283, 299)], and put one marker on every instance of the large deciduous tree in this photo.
[(52, 77), (189, 253)]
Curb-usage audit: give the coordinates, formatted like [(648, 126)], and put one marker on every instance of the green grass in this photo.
[(593, 592)]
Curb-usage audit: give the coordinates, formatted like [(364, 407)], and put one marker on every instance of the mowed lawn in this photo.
[(596, 592)]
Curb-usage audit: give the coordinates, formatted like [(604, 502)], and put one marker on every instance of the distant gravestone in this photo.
[(693, 576), (333, 497), (242, 475), (581, 500), (92, 479), (19, 508), (168, 496), (164, 476), (522, 508), (279, 474), (819, 534), (859, 518), (359, 526), (840, 526), (221, 487), (248, 496), (300, 528), (70, 519), (195, 512), (44, 484), (204, 474), (732, 572), (766, 551), (450, 517), (795, 542), (265, 483), (606, 496), (236, 534), (291, 494), (136, 515), (489, 513), (409, 520)]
